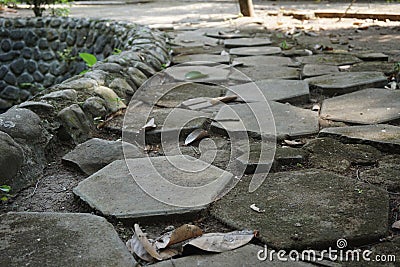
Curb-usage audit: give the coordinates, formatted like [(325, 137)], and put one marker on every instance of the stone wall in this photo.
[(36, 53), (66, 111)]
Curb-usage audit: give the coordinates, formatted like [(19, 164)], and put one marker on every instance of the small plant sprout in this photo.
[(116, 51), (358, 190), (89, 59), (4, 190)]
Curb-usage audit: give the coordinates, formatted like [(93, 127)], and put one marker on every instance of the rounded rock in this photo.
[(11, 158), (10, 92), (18, 66), (19, 45), (6, 45)]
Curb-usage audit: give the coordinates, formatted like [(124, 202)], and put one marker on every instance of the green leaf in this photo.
[(4, 198), (192, 75), (89, 59), (5, 188)]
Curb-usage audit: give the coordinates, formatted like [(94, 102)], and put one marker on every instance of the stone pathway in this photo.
[(265, 121)]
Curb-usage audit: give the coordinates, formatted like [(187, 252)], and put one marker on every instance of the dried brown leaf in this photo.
[(111, 116), (178, 235), (135, 247), (168, 253), (146, 243), (220, 242), (396, 225), (195, 135)]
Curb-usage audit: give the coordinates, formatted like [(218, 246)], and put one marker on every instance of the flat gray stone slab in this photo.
[(329, 59), (386, 176), (294, 92), (256, 73), (193, 38), (114, 190), (308, 209), (264, 61), (288, 120), (223, 34), (385, 67), (255, 51), (96, 153), (244, 256), (206, 58), (347, 82), (246, 42), (373, 57), (60, 239), (368, 106), (311, 70), (383, 136), (288, 156), (253, 161)]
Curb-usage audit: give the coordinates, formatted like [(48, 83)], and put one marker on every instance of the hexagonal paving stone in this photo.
[(255, 51), (329, 59), (383, 136), (60, 239), (369, 106), (115, 189), (246, 42), (308, 209), (294, 92), (288, 120), (346, 82)]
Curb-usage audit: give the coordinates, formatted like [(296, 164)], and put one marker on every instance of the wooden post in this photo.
[(246, 8)]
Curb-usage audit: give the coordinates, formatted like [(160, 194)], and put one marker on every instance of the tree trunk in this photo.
[(246, 8)]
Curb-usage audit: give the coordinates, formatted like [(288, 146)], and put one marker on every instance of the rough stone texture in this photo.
[(369, 106), (308, 209), (311, 70), (68, 94), (294, 92), (75, 122), (40, 108), (111, 100), (288, 156), (207, 58), (264, 61), (11, 160), (256, 73), (373, 57), (246, 42), (54, 239), (255, 51), (246, 255), (346, 82), (114, 191), (95, 154), (330, 154), (282, 120), (329, 59), (383, 136)]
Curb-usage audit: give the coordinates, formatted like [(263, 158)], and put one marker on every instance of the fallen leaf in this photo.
[(316, 107), (182, 233), (149, 125), (221, 242), (146, 243), (396, 225), (293, 142), (110, 117), (195, 135), (168, 253), (257, 209), (224, 99), (192, 75), (136, 247)]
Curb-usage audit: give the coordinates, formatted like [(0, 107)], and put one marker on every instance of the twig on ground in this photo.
[(34, 190), (347, 10)]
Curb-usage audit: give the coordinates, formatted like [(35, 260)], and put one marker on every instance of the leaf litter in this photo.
[(174, 242)]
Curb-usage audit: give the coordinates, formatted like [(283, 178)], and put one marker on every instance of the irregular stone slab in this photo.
[(308, 209), (67, 94), (227, 35), (253, 162), (329, 59), (311, 70), (96, 153), (382, 136), (347, 82), (206, 58), (246, 42), (288, 120), (256, 73), (368, 106), (193, 38), (60, 239), (288, 156), (204, 104), (373, 57), (294, 92), (211, 74), (40, 108), (385, 67), (264, 61), (387, 177), (255, 51), (114, 191), (341, 156), (75, 122), (244, 256)]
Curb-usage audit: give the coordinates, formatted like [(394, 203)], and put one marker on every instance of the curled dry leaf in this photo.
[(136, 247), (197, 134), (257, 209), (224, 99), (168, 253), (396, 225), (182, 233), (146, 243), (150, 125), (220, 242)]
